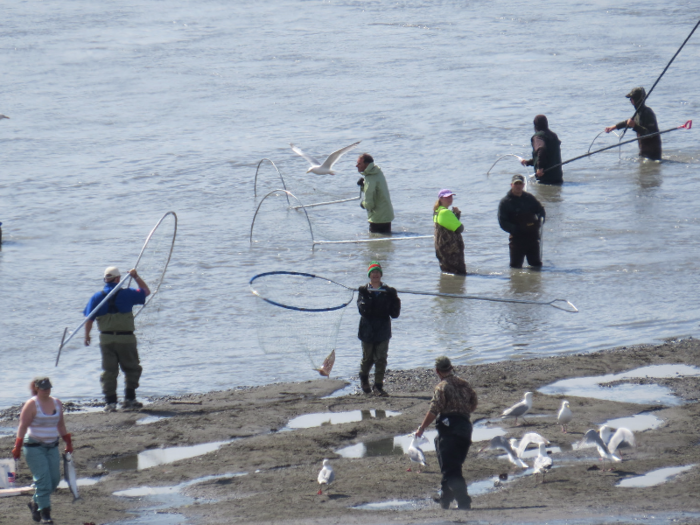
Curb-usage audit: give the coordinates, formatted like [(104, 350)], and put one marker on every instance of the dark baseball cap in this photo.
[(518, 178), (42, 383)]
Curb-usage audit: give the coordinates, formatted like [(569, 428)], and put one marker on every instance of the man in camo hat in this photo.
[(644, 123), (454, 399)]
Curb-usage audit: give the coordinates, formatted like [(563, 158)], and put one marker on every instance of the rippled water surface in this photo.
[(120, 112)]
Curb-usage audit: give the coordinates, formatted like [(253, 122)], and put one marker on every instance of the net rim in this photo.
[(297, 308)]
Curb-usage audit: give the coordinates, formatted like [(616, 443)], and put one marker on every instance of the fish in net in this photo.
[(300, 314)]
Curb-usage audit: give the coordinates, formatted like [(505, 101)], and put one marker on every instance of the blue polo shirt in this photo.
[(126, 299)]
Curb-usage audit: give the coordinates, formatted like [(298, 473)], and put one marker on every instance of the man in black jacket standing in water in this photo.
[(643, 123), (521, 215), (378, 304), (546, 152)]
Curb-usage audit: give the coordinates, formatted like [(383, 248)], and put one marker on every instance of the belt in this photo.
[(45, 445), (118, 333)]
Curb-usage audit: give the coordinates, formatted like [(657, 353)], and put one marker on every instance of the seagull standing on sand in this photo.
[(530, 437), (622, 438), (543, 463), (327, 167), (499, 442), (415, 454), (326, 476), (519, 409), (565, 415)]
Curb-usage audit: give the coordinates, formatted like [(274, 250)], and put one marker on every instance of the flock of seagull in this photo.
[(608, 441)]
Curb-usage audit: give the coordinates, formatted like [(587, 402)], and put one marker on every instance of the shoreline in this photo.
[(246, 427)]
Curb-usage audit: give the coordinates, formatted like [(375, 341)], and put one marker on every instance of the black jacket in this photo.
[(520, 216), (546, 152), (376, 311), (644, 124)]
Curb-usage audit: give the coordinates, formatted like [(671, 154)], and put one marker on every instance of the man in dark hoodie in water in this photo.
[(521, 215), (644, 122), (546, 152)]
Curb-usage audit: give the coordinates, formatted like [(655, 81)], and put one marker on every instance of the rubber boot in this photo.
[(130, 399), (46, 515), (364, 381), (379, 390), (34, 509)]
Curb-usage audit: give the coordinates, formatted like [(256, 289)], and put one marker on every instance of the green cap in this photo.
[(443, 363)]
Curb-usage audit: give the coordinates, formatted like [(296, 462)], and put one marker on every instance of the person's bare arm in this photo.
[(88, 327), (427, 420), (142, 285)]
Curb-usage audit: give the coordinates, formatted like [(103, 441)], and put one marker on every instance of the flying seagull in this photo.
[(326, 476), (519, 409), (622, 438), (530, 437), (565, 415), (499, 442), (592, 439), (327, 167)]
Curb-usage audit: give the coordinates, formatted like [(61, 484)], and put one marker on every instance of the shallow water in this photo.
[(653, 478), (592, 386), (161, 456), (636, 423), (335, 418), (122, 112)]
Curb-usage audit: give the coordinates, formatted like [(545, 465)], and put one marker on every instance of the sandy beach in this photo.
[(262, 471)]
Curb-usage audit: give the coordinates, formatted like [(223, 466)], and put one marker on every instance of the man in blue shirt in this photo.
[(115, 320)]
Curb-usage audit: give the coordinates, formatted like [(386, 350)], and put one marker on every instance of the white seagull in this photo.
[(499, 442), (565, 415), (327, 167), (622, 438), (530, 437), (415, 454), (519, 409), (543, 463), (592, 439), (326, 476)]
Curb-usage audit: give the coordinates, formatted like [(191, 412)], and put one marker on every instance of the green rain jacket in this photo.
[(377, 199)]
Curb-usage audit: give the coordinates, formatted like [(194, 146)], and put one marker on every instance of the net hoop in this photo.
[(255, 183), (167, 262), (297, 308), (288, 194), (64, 340)]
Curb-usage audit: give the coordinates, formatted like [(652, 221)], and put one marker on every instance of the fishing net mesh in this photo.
[(306, 317), (151, 267)]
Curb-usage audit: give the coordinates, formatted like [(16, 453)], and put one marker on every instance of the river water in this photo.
[(121, 112)]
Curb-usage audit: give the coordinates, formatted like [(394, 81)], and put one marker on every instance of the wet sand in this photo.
[(281, 466)]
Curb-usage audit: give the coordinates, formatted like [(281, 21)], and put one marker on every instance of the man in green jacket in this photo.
[(377, 201), (643, 123)]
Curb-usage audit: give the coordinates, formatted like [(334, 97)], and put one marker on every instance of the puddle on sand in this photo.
[(653, 478), (150, 419), (393, 504), (334, 418), (82, 482), (484, 486), (345, 391), (161, 456), (398, 445), (625, 392), (153, 518), (636, 423)]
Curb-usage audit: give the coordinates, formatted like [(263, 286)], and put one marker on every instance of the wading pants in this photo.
[(380, 227), (524, 247), (115, 356), (45, 466), (374, 354), (451, 450)]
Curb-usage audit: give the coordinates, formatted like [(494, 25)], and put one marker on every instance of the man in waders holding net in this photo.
[(643, 123), (115, 321), (378, 304), (546, 153)]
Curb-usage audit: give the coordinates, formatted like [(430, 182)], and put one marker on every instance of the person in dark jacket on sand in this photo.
[(643, 123), (378, 304), (521, 215), (546, 153)]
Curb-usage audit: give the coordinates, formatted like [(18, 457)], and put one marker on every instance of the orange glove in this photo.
[(69, 443), (17, 451)]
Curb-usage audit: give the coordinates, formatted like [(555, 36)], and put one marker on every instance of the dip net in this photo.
[(299, 314)]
